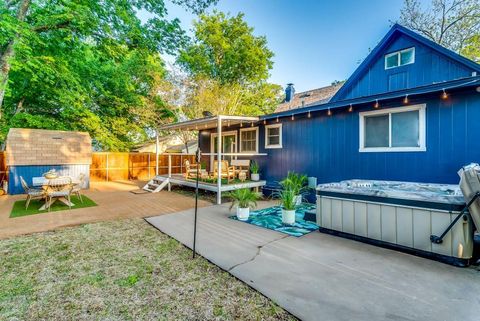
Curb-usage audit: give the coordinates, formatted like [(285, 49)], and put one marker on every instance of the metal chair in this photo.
[(77, 188), (59, 187), (32, 193)]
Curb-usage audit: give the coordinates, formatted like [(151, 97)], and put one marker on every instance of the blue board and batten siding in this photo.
[(30, 171), (327, 147)]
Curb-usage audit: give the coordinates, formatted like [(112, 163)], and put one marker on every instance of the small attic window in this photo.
[(400, 58)]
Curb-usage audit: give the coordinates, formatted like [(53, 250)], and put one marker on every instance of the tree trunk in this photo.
[(10, 52)]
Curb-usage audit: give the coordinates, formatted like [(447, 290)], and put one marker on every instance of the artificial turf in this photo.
[(19, 210)]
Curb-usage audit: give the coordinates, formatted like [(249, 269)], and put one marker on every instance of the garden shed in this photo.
[(32, 152)]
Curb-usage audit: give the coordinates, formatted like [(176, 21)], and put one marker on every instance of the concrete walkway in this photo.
[(323, 277)]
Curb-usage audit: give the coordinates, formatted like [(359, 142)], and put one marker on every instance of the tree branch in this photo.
[(60, 25)]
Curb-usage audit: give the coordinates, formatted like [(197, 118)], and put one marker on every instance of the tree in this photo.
[(454, 24), (227, 68), (86, 65), (225, 49)]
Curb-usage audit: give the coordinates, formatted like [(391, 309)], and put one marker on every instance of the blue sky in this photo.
[(315, 42)]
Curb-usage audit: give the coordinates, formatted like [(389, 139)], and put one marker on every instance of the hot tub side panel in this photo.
[(30, 171), (406, 227)]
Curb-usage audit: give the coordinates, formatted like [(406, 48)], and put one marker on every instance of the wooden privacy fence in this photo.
[(110, 166)]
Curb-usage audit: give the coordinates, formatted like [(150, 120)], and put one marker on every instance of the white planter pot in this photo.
[(255, 177), (298, 200), (243, 213), (288, 217)]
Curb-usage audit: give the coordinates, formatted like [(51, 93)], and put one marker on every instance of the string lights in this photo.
[(376, 104), (277, 119), (350, 109), (329, 113), (444, 94), (293, 117), (405, 100), (264, 121), (252, 124), (309, 115)]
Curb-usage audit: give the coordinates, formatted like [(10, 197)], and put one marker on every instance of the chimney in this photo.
[(289, 92)]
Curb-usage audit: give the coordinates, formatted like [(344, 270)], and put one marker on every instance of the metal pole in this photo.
[(219, 160), (156, 153)]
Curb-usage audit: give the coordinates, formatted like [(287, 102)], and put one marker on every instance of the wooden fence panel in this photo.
[(108, 166)]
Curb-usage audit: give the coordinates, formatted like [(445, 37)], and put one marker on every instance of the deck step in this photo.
[(156, 184)]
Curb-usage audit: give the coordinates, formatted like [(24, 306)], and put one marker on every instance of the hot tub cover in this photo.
[(425, 192)]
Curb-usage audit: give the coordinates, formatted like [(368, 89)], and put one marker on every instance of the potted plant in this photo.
[(254, 168), (297, 183), (244, 199), (287, 198)]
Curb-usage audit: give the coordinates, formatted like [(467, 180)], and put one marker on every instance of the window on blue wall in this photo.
[(273, 136), (400, 58), (393, 130), (249, 140)]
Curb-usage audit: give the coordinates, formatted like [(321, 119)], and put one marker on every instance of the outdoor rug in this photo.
[(19, 210), (271, 218)]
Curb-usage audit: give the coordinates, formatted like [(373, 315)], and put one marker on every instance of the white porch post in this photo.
[(156, 152), (169, 171), (219, 159)]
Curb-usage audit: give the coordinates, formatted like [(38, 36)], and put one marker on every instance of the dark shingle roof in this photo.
[(311, 97)]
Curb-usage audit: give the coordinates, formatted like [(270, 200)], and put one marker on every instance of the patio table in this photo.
[(44, 183)]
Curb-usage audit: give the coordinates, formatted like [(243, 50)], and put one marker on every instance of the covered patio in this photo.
[(214, 125)]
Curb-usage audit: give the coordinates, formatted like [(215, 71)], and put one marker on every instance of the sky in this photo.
[(315, 41)]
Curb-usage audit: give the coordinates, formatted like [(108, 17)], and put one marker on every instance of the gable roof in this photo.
[(392, 33), (310, 97)]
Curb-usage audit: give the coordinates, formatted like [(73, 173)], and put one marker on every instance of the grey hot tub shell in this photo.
[(398, 214)]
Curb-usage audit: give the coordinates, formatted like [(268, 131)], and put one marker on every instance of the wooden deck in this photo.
[(180, 180), (114, 199)]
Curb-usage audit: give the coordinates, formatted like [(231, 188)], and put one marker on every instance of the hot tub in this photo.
[(400, 215)]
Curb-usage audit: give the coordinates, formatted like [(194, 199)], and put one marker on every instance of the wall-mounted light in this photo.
[(264, 121), (444, 94), (277, 119), (309, 115), (329, 112), (293, 117), (376, 105), (405, 100), (350, 109)]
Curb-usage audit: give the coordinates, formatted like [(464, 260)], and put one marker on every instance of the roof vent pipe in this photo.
[(289, 92)]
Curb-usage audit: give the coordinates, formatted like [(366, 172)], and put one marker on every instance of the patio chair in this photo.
[(32, 193), (77, 188), (241, 165), (227, 172), (191, 169), (58, 188)]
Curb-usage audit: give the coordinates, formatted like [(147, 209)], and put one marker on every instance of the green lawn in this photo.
[(120, 270), (19, 210)]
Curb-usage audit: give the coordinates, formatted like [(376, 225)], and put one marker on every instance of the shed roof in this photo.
[(47, 147)]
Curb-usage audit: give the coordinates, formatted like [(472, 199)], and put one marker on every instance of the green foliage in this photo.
[(244, 198), (454, 24), (294, 182), (254, 168), (88, 65), (287, 198), (226, 50), (228, 67)]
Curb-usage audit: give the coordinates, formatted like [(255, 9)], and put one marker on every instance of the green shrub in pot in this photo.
[(244, 199)]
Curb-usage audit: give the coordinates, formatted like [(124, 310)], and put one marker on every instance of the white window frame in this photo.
[(421, 108), (240, 148), (280, 140), (212, 139), (399, 54)]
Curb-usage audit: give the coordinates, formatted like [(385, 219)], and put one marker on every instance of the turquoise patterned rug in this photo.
[(271, 218)]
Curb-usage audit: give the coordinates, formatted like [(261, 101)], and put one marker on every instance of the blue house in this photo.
[(411, 112)]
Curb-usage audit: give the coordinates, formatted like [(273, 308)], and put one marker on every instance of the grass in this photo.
[(120, 270), (19, 210)]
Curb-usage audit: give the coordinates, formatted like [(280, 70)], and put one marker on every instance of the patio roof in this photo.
[(209, 122)]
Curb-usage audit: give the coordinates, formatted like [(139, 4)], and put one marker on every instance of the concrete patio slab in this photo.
[(323, 277)]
